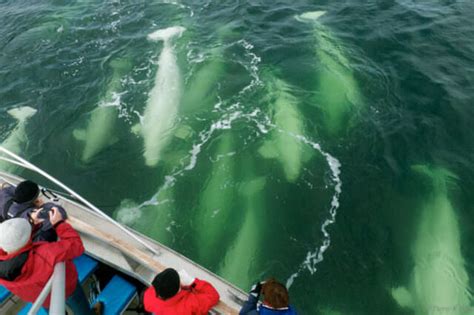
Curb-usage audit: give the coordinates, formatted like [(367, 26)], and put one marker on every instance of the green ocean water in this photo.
[(263, 174)]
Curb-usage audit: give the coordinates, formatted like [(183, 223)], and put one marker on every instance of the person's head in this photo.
[(166, 283), (275, 294), (26, 191), (14, 234)]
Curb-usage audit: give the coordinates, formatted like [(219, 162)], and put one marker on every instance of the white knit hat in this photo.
[(14, 234)]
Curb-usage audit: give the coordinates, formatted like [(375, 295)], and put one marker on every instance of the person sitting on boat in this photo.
[(26, 266), (23, 200), (275, 300), (179, 293), (43, 229), (18, 201)]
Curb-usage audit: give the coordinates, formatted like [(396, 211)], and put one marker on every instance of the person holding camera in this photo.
[(23, 201), (26, 266), (178, 293), (275, 300), (16, 202)]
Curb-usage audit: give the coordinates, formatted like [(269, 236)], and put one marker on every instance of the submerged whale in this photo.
[(162, 106), (283, 144), (214, 214), (201, 92), (45, 34), (338, 91), (153, 218), (248, 241), (439, 282), (99, 132), (17, 137)]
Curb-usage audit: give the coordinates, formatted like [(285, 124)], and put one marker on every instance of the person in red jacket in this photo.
[(172, 293), (25, 267)]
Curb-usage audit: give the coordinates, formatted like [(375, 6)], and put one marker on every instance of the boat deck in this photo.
[(112, 246)]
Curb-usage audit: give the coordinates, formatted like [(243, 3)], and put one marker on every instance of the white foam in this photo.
[(252, 67), (128, 215), (313, 258), (114, 101)]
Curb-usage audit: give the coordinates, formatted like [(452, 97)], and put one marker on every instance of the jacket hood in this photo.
[(11, 265), (6, 256)]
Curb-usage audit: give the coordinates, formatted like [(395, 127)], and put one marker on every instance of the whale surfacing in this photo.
[(338, 91), (162, 106), (310, 16)]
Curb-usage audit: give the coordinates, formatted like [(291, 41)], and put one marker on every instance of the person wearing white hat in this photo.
[(14, 234), (26, 266), (23, 201)]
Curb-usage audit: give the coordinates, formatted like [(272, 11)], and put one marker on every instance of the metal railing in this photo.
[(55, 285), (17, 160)]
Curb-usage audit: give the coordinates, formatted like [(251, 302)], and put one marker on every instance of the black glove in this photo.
[(256, 289)]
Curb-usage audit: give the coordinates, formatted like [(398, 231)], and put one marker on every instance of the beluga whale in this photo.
[(337, 90), (99, 132), (214, 213), (17, 137), (283, 144), (247, 242), (154, 218), (439, 281), (202, 87), (162, 106)]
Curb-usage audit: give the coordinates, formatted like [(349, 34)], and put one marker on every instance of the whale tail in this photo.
[(166, 34), (311, 16), (22, 113)]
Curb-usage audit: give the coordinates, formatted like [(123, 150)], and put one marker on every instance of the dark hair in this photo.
[(26, 191), (166, 283), (275, 294)]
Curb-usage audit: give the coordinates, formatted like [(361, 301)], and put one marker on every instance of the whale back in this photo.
[(166, 34), (22, 113), (439, 276), (310, 16)]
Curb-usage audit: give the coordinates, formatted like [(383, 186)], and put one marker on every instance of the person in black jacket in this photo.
[(19, 201)]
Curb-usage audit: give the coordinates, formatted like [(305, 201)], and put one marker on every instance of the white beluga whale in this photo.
[(99, 132), (283, 144), (439, 282), (214, 214), (337, 91), (248, 243), (163, 101), (201, 91), (153, 218), (17, 138)]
